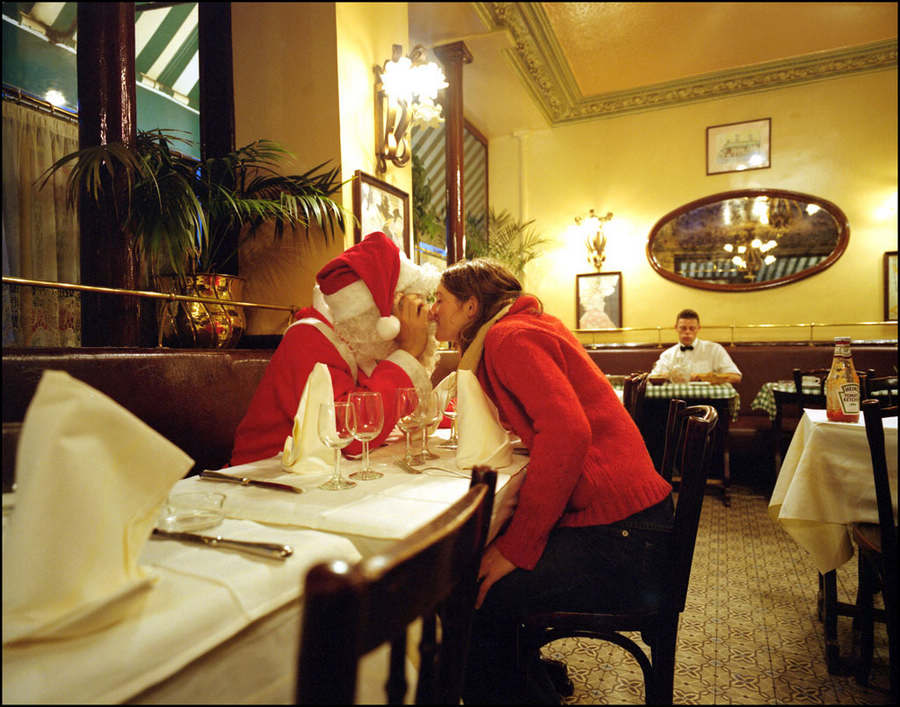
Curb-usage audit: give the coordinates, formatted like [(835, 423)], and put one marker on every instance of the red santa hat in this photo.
[(365, 277)]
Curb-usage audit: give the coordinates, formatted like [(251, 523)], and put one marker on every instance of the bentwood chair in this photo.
[(877, 545), (351, 610), (881, 388), (789, 409), (814, 400), (633, 394), (688, 440)]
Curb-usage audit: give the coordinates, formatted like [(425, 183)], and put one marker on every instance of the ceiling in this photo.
[(541, 64)]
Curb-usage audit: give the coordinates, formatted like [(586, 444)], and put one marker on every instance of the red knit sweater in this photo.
[(589, 464)]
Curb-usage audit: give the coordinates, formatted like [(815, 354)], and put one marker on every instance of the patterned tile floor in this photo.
[(749, 633)]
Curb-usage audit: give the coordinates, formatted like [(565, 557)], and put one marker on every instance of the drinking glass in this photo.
[(368, 419), (432, 412), (334, 431), (453, 441), (409, 419)]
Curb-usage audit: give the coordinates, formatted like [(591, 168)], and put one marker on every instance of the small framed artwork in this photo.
[(598, 300), (890, 286), (736, 147), (379, 206)]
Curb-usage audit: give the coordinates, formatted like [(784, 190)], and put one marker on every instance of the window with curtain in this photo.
[(40, 235)]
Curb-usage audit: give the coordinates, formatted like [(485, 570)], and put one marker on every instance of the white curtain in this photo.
[(40, 236)]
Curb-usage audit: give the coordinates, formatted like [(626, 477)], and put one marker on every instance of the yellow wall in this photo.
[(835, 139), (303, 75)]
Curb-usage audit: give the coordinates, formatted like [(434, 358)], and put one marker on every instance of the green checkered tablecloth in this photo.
[(695, 391), (765, 398)]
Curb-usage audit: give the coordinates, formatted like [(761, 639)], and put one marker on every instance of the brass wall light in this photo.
[(405, 94), (591, 228)]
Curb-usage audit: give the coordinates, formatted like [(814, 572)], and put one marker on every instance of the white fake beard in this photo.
[(359, 334)]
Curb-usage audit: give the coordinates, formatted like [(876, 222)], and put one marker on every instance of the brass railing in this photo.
[(7, 280), (732, 327)]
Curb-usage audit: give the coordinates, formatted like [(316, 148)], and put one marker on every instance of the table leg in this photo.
[(828, 582)]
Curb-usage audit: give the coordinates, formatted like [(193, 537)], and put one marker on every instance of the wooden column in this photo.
[(217, 98), (453, 56), (106, 97)]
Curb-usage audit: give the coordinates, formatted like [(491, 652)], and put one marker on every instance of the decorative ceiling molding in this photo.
[(543, 67)]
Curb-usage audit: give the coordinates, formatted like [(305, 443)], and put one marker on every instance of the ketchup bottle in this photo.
[(842, 384)]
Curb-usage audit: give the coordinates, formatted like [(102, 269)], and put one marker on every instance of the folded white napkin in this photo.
[(91, 479), (482, 439), (303, 450)]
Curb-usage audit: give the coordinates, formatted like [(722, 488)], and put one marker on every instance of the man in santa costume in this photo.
[(369, 324)]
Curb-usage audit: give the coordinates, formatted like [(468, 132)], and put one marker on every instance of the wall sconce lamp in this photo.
[(405, 93), (591, 227)]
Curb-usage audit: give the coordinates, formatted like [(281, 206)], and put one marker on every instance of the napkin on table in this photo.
[(303, 450), (91, 480), (482, 439)]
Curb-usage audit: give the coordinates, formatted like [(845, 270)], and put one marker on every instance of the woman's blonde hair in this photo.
[(491, 284)]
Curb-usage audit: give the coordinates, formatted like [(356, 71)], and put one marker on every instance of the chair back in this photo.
[(874, 414), (351, 610), (633, 394), (811, 400), (688, 442), (880, 388)]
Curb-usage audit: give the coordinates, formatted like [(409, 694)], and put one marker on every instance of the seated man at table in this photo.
[(369, 324), (694, 359)]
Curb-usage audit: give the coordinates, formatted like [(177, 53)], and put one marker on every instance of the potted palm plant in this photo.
[(512, 243), (187, 215)]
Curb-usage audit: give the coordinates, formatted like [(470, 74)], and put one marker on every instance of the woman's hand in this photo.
[(412, 311), (494, 566)]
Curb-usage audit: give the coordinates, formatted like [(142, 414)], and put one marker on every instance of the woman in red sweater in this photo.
[(588, 533)]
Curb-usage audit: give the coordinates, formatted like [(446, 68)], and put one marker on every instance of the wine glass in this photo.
[(368, 419), (453, 441), (408, 418), (335, 433), (432, 413)]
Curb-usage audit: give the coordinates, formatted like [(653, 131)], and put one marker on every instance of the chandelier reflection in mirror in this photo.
[(590, 227), (406, 90), (748, 239)]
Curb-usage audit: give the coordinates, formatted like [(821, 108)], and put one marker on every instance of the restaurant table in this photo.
[(825, 484), (765, 398), (224, 627), (722, 396)]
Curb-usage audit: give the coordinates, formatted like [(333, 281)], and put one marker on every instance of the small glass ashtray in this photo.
[(187, 512)]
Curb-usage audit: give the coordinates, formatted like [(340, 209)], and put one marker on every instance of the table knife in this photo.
[(271, 550), (244, 481)]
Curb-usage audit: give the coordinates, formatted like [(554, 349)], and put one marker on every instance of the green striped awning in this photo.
[(165, 41)]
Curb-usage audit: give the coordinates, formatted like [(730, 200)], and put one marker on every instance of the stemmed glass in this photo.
[(409, 419), (453, 441), (334, 432), (368, 409), (432, 413)]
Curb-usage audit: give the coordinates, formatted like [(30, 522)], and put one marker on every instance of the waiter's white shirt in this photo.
[(706, 357)]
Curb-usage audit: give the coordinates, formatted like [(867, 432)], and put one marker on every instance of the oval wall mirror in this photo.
[(748, 239)]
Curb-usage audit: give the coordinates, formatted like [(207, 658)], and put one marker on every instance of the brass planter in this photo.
[(201, 324)]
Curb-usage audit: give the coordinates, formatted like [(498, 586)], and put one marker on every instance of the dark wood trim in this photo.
[(107, 113), (478, 135), (453, 56)]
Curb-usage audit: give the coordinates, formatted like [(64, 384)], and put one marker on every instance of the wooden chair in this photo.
[(880, 388), (688, 439), (351, 610), (811, 400), (633, 394), (877, 545)]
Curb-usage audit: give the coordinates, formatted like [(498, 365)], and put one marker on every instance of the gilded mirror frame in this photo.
[(842, 236)]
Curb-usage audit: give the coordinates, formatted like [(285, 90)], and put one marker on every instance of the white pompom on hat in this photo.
[(366, 277)]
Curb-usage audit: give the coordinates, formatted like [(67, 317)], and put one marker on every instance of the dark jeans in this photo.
[(594, 568)]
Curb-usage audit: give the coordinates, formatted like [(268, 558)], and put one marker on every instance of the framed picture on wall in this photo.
[(379, 206), (890, 286), (737, 147), (598, 300)]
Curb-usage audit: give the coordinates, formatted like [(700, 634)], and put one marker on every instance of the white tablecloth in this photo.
[(222, 626), (825, 483)]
